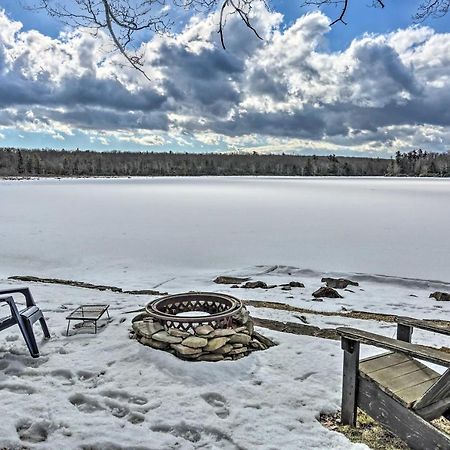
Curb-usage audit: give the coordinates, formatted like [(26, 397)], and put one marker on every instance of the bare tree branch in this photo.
[(125, 20)]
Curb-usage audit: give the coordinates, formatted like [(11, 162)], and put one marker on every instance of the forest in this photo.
[(16, 162)]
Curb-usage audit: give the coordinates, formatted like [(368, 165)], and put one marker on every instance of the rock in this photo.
[(230, 280), (222, 332), (338, 283), (250, 327), (441, 296), (216, 343), (224, 350), (254, 285), (210, 357), (257, 345), (140, 317), (164, 336), (154, 344), (235, 286), (411, 295), (296, 284), (263, 339), (238, 345), (349, 290), (326, 292), (203, 330), (286, 288), (195, 342), (240, 338), (147, 328), (241, 329), (190, 357), (237, 351), (243, 316), (178, 333), (186, 351)]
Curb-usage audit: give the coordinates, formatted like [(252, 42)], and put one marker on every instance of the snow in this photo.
[(106, 391), (127, 231)]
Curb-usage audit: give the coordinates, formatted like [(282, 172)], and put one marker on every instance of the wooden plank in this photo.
[(394, 370), (411, 379), (419, 351), (437, 392), (408, 426), (381, 361), (404, 381), (436, 326), (430, 412), (401, 380), (411, 394), (350, 381)]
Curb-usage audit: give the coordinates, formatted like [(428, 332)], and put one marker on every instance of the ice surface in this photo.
[(124, 231)]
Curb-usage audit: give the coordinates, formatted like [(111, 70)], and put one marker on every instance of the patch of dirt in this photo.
[(370, 432), (296, 328), (351, 314), (367, 431)]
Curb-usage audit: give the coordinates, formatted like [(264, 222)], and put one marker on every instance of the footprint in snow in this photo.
[(124, 395), (17, 388), (305, 376), (218, 402), (33, 432)]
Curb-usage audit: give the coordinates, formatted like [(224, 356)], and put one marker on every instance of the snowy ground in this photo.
[(106, 391)]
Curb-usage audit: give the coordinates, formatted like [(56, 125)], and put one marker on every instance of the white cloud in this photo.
[(383, 92)]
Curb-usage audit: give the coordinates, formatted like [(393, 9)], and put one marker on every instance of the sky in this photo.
[(369, 88)]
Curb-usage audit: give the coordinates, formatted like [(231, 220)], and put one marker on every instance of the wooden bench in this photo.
[(394, 387)]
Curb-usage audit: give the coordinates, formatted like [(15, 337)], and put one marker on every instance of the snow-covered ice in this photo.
[(106, 391), (128, 231)]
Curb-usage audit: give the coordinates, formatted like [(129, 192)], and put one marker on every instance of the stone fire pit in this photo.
[(199, 326)]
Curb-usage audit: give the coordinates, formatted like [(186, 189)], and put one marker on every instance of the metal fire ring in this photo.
[(221, 309)]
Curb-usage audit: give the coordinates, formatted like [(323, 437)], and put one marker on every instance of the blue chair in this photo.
[(24, 318)]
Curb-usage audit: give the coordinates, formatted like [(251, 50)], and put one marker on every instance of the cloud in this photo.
[(382, 92)]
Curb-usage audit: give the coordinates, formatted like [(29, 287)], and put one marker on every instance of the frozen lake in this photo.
[(138, 231)]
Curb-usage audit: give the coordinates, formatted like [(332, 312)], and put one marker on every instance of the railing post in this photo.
[(349, 381), (404, 332)]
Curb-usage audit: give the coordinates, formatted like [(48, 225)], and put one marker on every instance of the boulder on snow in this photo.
[(292, 284), (254, 285), (338, 283), (441, 296), (327, 292), (230, 280)]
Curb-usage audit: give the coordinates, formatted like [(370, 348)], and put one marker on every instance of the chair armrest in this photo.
[(436, 326), (430, 354), (25, 291), (7, 299)]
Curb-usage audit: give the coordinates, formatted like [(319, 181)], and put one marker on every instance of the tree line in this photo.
[(16, 162)]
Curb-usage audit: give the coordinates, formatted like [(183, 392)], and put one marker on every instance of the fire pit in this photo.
[(202, 326), (187, 311)]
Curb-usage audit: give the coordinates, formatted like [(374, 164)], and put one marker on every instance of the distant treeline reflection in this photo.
[(22, 162)]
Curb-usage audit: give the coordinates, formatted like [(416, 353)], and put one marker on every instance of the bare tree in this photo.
[(426, 9), (124, 20)]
